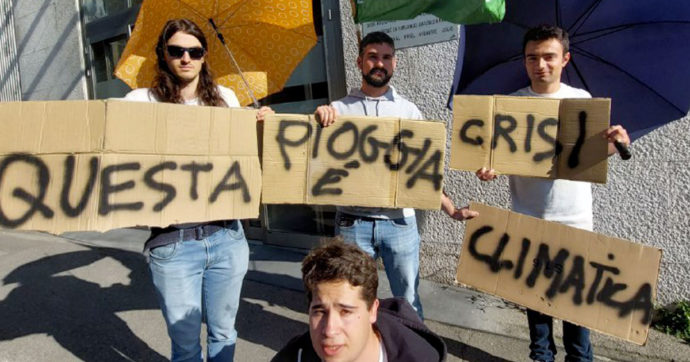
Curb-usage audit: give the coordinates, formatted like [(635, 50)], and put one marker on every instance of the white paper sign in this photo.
[(422, 30)]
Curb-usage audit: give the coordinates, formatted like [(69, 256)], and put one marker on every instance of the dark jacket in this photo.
[(404, 336)]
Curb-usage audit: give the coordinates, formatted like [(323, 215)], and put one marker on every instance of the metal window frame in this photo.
[(101, 29)]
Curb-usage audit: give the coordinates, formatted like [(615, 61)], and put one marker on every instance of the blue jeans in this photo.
[(542, 346), (201, 280), (397, 242)]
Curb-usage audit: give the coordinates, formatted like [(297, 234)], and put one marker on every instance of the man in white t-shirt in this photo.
[(568, 202)]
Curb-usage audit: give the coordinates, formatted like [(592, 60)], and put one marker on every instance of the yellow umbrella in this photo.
[(266, 38)]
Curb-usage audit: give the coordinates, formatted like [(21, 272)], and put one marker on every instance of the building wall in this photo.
[(646, 199), (49, 49), (10, 88)]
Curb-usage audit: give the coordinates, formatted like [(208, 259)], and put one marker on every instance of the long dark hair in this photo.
[(166, 86)]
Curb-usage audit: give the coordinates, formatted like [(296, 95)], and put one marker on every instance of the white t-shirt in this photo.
[(564, 201), (145, 95)]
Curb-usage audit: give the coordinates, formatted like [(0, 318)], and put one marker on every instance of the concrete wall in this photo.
[(10, 87), (646, 199), (49, 49)]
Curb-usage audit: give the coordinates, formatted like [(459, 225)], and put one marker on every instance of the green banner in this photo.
[(454, 11)]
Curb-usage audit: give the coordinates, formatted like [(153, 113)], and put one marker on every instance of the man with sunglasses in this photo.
[(193, 264), (183, 76)]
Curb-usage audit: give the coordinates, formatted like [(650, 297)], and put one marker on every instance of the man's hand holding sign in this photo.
[(528, 136)]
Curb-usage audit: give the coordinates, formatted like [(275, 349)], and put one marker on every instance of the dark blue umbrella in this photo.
[(633, 51)]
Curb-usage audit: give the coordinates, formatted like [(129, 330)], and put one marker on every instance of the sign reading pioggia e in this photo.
[(540, 137), (358, 161)]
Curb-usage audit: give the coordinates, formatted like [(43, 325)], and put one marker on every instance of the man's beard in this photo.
[(377, 82)]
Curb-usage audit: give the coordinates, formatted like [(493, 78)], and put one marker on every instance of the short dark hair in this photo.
[(377, 37), (338, 261), (545, 32)]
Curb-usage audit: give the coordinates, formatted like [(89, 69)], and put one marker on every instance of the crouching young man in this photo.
[(346, 320)]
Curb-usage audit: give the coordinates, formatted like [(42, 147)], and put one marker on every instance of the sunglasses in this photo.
[(195, 53)]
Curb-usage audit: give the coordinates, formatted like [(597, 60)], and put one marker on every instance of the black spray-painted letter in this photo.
[(35, 201)]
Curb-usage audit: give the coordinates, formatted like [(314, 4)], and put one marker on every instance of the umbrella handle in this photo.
[(232, 57), (622, 150)]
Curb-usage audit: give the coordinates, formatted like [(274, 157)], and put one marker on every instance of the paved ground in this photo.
[(92, 300)]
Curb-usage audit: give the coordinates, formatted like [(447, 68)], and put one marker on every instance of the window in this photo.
[(106, 54), (96, 9)]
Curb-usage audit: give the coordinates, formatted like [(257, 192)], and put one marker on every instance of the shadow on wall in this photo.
[(50, 72)]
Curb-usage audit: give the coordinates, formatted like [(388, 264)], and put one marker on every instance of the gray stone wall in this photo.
[(49, 49), (646, 199)]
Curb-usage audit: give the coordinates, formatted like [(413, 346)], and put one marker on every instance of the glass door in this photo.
[(107, 25)]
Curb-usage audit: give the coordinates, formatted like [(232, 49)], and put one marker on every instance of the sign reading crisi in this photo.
[(526, 136)]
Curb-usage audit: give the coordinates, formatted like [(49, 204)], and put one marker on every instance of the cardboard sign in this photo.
[(589, 279), (525, 136), (358, 161), (100, 165)]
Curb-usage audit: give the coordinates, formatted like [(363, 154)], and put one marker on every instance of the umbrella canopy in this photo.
[(634, 52), (456, 11), (268, 38)]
